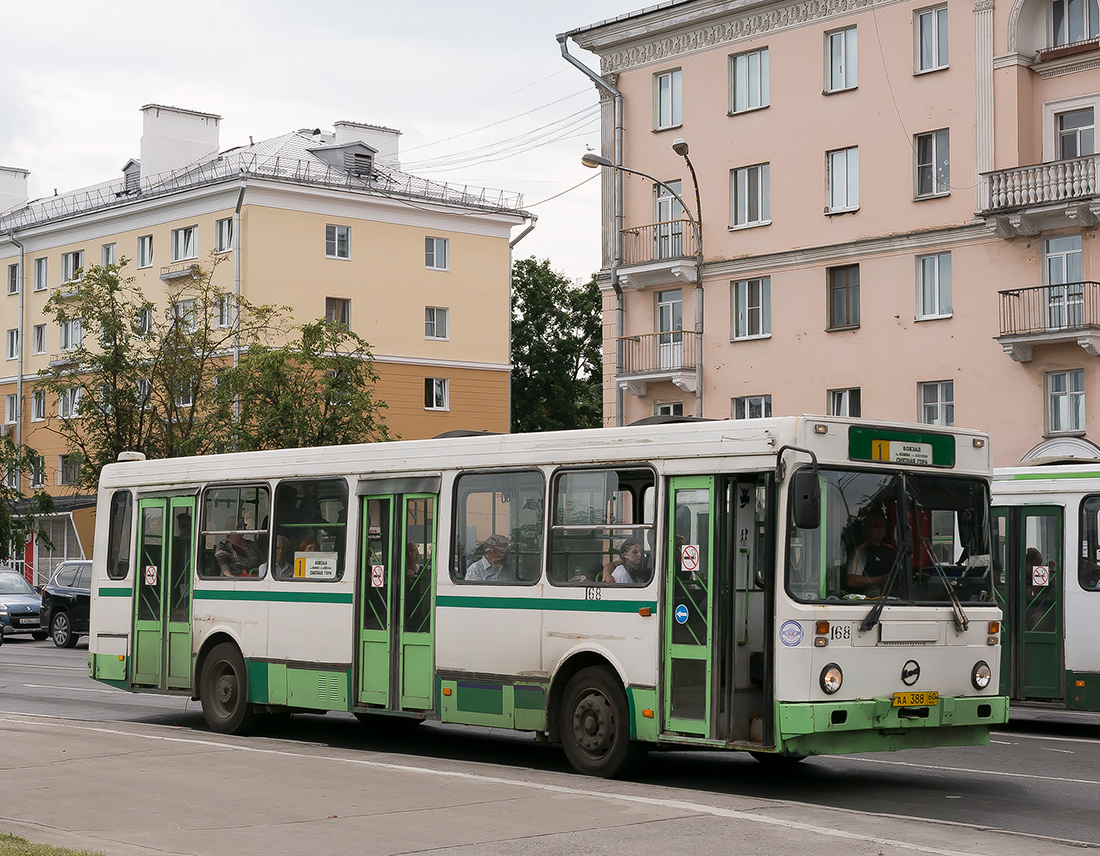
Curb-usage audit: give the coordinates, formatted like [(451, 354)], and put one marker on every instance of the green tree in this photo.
[(317, 390), (556, 366), (20, 512)]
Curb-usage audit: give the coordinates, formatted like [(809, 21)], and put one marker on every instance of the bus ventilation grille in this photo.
[(328, 688)]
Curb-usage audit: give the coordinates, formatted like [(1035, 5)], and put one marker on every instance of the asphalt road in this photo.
[(1031, 791)]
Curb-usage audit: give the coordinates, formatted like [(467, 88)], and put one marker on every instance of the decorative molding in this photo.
[(984, 136), (983, 6), (1013, 24), (1057, 69)]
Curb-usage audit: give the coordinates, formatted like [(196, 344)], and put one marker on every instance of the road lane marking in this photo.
[(1000, 773), (68, 689)]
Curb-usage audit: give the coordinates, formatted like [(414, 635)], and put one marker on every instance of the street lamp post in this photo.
[(590, 159)]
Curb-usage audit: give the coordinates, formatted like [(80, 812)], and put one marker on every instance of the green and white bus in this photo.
[(1046, 535), (478, 580)]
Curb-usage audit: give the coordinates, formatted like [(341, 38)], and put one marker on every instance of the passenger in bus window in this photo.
[(283, 568), (491, 566), (872, 560), (236, 555), (629, 568)]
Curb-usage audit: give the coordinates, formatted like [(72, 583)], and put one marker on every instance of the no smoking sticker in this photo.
[(689, 557), (377, 575), (151, 575), (1040, 575)]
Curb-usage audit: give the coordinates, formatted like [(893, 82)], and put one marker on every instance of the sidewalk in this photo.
[(130, 789)]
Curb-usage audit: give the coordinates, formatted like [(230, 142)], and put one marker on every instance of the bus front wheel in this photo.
[(225, 691), (595, 726)]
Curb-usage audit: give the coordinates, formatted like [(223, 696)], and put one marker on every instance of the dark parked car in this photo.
[(20, 606), (66, 599)]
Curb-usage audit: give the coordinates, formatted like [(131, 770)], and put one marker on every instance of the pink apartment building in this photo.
[(898, 215)]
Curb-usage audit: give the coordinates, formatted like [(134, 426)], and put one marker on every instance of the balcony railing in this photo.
[(658, 242), (657, 354), (1050, 309), (1039, 184)]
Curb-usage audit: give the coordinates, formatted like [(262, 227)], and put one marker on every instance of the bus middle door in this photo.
[(395, 614), (162, 616)]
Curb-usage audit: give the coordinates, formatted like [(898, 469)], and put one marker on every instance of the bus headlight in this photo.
[(980, 675), (831, 678)]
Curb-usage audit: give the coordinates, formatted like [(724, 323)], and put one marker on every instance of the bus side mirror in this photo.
[(806, 492)]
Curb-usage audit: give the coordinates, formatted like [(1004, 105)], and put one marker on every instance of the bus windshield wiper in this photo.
[(876, 611), (961, 621)]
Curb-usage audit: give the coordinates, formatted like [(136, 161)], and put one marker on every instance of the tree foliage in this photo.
[(20, 512), (148, 377), (556, 373)]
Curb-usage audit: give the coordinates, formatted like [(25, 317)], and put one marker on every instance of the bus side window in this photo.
[(234, 531), (119, 543), (311, 521), (498, 528)]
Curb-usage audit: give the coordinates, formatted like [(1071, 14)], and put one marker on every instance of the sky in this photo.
[(478, 88)]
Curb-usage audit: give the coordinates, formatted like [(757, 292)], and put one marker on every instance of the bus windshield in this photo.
[(910, 537)]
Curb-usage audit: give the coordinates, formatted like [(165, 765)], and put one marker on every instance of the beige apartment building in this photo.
[(324, 222), (898, 213)]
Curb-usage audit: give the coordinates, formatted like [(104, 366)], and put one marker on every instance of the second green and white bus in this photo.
[(470, 580)]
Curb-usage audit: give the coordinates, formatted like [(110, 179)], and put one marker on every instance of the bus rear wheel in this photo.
[(595, 726), (225, 691)]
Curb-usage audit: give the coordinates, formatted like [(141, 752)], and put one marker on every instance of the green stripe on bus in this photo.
[(547, 604), (275, 596), (1040, 476), (115, 592)]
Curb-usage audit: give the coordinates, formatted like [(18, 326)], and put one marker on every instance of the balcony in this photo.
[(658, 253), (657, 358), (1050, 315), (175, 271), (1029, 199)]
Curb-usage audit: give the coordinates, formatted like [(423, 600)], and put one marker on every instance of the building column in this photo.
[(983, 96)]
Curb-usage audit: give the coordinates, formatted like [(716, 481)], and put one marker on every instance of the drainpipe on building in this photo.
[(617, 98), (237, 301), (19, 361), (511, 245)]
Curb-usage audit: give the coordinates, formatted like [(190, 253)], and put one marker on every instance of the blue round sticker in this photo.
[(790, 634), (681, 614)]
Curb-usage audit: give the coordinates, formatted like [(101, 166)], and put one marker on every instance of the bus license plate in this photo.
[(925, 699)]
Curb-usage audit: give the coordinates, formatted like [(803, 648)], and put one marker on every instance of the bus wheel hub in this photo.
[(592, 723)]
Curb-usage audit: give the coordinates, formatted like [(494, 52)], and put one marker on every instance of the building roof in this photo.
[(287, 158)]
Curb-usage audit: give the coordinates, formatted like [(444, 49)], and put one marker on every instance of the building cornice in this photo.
[(664, 34), (442, 364)]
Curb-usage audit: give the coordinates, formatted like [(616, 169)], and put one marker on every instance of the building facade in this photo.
[(898, 211), (325, 223)]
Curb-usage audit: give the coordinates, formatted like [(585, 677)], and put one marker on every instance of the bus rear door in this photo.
[(162, 606), (396, 582)]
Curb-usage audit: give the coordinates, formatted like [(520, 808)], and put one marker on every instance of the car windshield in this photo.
[(913, 537), (14, 584)]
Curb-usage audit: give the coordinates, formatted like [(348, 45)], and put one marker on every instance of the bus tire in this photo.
[(595, 726), (225, 691)]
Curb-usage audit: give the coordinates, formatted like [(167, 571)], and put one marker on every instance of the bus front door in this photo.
[(395, 595), (162, 605), (689, 630)]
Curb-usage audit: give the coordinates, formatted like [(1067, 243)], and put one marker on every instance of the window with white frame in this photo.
[(142, 392), (145, 321), (1073, 21), (338, 242), (338, 310), (435, 253), (1063, 278), (70, 334), (843, 179), (145, 251), (225, 310), (38, 405), (223, 235), (71, 265), (749, 81), (933, 163), (1076, 133), (750, 195), (937, 402), (108, 254), (1065, 402), (183, 391), (38, 471), (11, 409), (13, 279), (38, 339), (13, 344), (68, 402), (667, 100), (934, 286), (68, 469), (184, 243), (752, 407), (41, 272), (840, 60), (669, 408), (11, 477), (436, 393), (844, 402), (931, 32), (751, 301), (186, 314), (435, 322), (668, 214)]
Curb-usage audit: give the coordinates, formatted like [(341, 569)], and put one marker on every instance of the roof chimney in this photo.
[(13, 187), (173, 138), (383, 140)]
